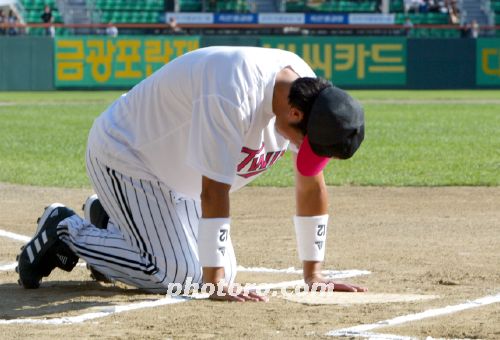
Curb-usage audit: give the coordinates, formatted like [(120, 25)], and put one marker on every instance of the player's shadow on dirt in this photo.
[(63, 297)]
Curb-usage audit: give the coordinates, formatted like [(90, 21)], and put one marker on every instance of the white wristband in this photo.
[(213, 240), (311, 236)]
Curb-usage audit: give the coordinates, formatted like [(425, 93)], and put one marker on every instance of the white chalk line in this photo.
[(106, 311), (14, 236), (89, 316), (8, 267), (11, 266), (361, 330), (382, 336), (334, 273)]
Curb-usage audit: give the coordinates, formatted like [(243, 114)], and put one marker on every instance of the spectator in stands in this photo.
[(173, 28), (471, 30), (12, 21), (2, 23), (413, 5), (111, 30), (434, 6), (47, 19), (443, 8), (424, 6), (474, 28), (408, 25), (451, 7)]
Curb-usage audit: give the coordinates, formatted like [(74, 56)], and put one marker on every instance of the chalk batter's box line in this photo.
[(106, 311), (358, 331), (169, 300), (14, 236), (363, 330)]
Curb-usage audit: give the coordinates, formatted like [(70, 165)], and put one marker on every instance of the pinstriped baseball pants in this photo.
[(151, 239)]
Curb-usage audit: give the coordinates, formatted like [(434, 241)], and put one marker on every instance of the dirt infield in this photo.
[(429, 241)]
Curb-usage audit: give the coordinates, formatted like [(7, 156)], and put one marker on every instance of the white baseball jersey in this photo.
[(208, 112)]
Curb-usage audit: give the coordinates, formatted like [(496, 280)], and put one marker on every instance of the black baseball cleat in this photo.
[(97, 216), (95, 213), (45, 251)]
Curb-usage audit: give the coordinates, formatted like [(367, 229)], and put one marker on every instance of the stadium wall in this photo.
[(26, 63), (92, 62), (441, 63)]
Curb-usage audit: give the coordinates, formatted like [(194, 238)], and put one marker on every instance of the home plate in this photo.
[(337, 298)]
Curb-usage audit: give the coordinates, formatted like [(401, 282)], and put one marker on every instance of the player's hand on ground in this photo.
[(231, 293), (317, 282)]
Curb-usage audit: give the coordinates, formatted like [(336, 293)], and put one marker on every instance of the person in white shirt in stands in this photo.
[(164, 157), (111, 30), (412, 5)]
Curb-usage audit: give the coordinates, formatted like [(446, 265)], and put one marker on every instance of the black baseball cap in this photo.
[(336, 128)]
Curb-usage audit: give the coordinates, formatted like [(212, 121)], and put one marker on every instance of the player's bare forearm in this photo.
[(214, 198), (312, 200), (310, 194)]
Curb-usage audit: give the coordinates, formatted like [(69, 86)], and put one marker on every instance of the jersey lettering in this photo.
[(256, 161)]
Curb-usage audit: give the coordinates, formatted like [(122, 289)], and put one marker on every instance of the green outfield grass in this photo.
[(413, 138)]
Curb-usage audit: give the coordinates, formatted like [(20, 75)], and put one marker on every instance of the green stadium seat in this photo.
[(396, 6), (148, 5), (190, 5), (135, 17), (226, 6), (39, 4), (116, 17), (106, 16), (37, 31), (437, 18), (348, 6), (423, 18), (495, 5), (153, 17), (57, 17), (34, 16), (97, 4), (234, 6), (128, 5), (243, 7), (144, 17), (295, 6)]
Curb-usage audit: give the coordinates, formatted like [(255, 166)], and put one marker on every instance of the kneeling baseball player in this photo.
[(164, 157)]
